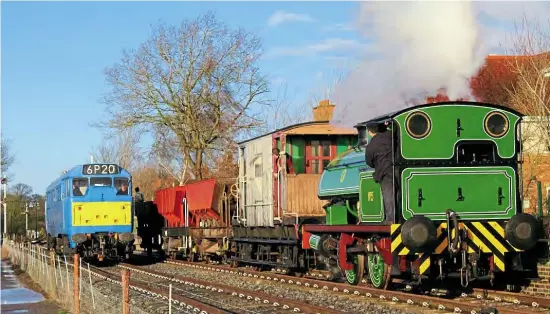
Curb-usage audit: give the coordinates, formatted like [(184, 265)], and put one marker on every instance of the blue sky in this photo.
[(54, 55)]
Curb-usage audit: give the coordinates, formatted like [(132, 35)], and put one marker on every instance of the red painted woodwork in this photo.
[(320, 155)]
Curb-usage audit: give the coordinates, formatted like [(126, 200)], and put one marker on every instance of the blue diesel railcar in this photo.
[(89, 210)]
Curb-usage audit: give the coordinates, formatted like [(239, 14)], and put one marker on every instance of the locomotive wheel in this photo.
[(379, 272), (353, 277)]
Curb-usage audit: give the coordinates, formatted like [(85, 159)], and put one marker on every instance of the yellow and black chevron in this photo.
[(483, 237)]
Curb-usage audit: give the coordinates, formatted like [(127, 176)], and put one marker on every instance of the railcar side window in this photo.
[(79, 186), (121, 185), (100, 181)]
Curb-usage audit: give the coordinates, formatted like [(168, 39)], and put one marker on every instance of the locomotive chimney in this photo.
[(324, 111)]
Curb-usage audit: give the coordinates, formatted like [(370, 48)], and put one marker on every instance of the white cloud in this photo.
[(280, 17), (342, 27), (329, 44)]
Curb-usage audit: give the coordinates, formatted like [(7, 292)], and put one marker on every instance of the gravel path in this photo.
[(349, 304)]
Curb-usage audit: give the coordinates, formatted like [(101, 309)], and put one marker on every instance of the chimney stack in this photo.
[(324, 111)]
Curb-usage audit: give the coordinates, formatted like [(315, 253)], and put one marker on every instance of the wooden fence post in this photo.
[(125, 291), (76, 260), (52, 273)]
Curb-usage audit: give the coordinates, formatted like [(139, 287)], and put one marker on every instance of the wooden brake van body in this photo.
[(278, 192)]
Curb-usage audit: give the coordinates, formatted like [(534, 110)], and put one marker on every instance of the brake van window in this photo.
[(79, 186), (121, 185), (98, 181)]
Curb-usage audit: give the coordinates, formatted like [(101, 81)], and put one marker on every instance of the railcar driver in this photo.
[(76, 190), (378, 155), (123, 189)]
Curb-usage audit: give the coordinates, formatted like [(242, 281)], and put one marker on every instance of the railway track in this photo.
[(257, 301), (189, 305), (477, 302), (196, 291), (198, 296), (178, 300)]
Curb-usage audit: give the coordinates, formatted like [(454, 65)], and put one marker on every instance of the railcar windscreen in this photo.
[(100, 181), (79, 186)]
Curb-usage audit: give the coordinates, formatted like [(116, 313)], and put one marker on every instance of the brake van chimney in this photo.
[(324, 111)]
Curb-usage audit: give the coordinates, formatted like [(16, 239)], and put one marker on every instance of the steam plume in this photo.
[(419, 47)]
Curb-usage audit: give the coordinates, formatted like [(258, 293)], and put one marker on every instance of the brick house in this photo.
[(495, 77)]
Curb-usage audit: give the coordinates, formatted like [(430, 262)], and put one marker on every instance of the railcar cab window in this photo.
[(100, 181), (79, 186), (121, 185)]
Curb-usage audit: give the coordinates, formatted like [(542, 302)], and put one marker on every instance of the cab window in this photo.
[(121, 185), (100, 181), (79, 186)]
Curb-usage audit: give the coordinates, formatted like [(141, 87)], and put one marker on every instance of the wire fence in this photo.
[(83, 291)]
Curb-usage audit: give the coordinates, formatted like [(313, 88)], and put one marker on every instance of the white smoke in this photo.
[(418, 48)]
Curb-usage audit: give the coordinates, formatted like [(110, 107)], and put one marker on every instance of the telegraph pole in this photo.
[(27, 218), (5, 184), (36, 220)]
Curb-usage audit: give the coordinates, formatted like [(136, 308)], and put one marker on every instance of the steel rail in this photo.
[(515, 298), (295, 306), (455, 305), (176, 299)]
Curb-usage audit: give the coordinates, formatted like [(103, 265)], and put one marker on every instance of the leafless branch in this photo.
[(199, 80), (7, 157), (121, 148)]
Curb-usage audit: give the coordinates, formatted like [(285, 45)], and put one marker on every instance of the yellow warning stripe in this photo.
[(425, 262), (483, 237)]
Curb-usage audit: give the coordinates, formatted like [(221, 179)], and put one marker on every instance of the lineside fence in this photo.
[(78, 289)]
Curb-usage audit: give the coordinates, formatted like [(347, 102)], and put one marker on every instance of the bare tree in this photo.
[(530, 93), (283, 112), (121, 148), (170, 156), (149, 179), (7, 156), (328, 83), (197, 81), (21, 191)]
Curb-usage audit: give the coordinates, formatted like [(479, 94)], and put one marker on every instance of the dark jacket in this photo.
[(378, 155)]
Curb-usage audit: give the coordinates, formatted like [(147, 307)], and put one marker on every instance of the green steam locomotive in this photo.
[(456, 170)]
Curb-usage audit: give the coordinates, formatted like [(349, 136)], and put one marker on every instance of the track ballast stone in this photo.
[(319, 297)]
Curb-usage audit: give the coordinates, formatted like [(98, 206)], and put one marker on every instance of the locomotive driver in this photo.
[(378, 155)]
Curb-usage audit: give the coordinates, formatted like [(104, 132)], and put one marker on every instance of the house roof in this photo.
[(308, 128), (317, 129)]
